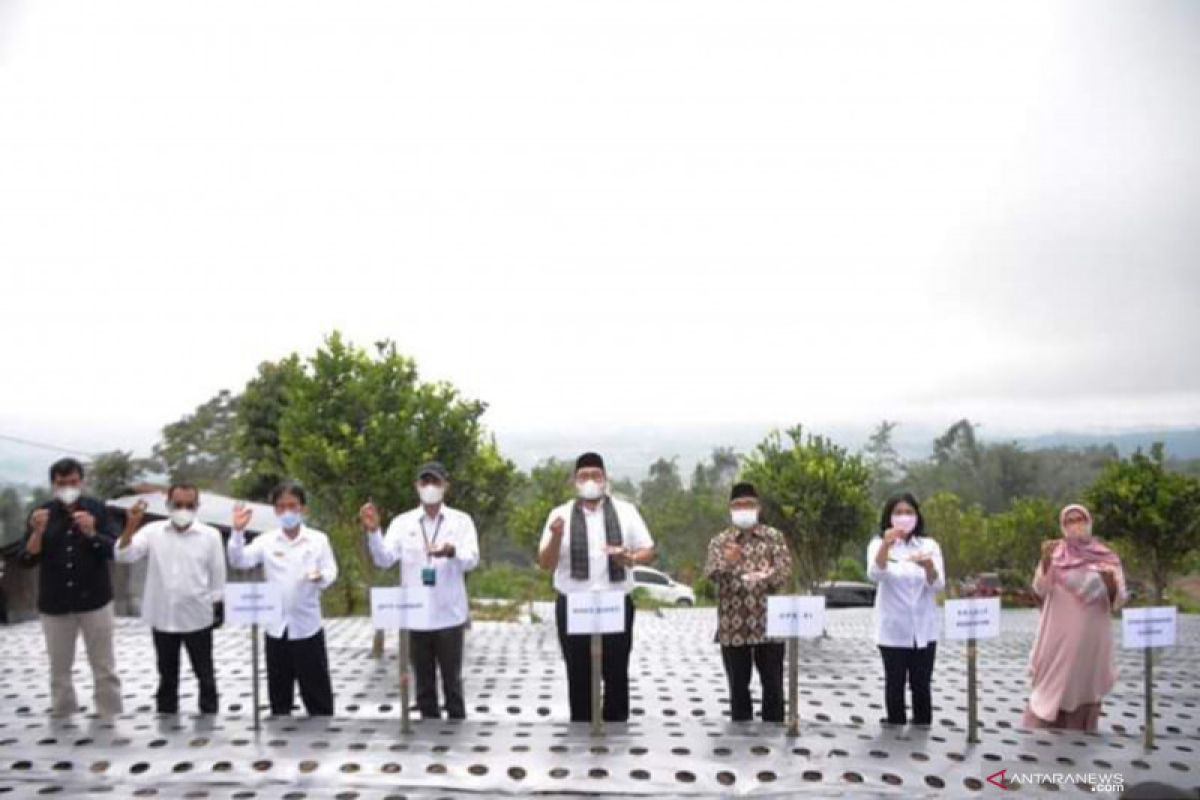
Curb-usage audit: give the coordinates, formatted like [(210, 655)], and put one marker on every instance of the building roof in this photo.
[(215, 509)]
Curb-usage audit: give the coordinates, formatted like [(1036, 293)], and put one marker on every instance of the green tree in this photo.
[(885, 464), (960, 531), (355, 426), (1013, 540), (816, 493), (200, 448), (256, 437), (547, 486), (1153, 512), (114, 473)]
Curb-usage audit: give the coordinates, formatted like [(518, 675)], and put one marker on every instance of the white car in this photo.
[(663, 588)]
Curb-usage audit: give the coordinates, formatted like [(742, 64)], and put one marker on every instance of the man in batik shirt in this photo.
[(747, 562)]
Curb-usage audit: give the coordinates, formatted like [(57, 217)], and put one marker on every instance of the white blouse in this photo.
[(906, 610)]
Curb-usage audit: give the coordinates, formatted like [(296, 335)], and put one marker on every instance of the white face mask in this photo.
[(744, 518), (67, 495), (905, 522), (590, 490), (182, 518), (431, 494)]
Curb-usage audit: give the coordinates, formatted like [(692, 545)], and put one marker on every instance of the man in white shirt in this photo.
[(591, 544), (299, 560), (185, 584), (436, 546)]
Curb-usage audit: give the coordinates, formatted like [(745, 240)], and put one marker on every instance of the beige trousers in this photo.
[(61, 631)]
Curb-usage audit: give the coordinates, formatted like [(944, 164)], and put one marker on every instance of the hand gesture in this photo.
[(893, 535), (1048, 547), (443, 550), (38, 520), (85, 522), (241, 516), (136, 513), (368, 516), (557, 526), (1109, 575)]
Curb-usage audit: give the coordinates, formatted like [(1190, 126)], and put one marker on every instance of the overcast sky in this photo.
[(606, 214)]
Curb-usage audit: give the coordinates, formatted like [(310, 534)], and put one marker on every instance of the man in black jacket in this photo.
[(71, 538)]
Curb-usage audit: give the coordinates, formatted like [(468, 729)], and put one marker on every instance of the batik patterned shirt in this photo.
[(742, 585)]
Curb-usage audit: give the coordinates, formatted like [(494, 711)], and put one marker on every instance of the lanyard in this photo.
[(436, 529)]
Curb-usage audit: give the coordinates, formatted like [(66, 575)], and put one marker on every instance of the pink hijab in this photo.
[(1079, 553)]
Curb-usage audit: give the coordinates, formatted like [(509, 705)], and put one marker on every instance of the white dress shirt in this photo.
[(906, 611), (634, 536), (185, 574), (406, 541), (286, 563)]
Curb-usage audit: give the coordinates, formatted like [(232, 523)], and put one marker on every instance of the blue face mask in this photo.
[(290, 519)]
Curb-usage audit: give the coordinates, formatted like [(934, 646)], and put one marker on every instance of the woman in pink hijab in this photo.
[(1080, 583)]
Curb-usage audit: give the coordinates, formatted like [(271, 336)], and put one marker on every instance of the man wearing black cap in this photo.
[(436, 546), (591, 544), (747, 562)]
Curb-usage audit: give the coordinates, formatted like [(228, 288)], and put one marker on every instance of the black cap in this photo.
[(743, 490), (434, 469), (589, 460)]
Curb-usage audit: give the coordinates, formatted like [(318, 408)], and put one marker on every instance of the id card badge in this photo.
[(429, 576)]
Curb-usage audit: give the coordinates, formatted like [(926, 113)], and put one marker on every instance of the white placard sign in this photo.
[(795, 615), (255, 603), (395, 608), (595, 612), (1148, 627), (973, 618)]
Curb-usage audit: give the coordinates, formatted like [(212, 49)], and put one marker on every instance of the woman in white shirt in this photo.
[(907, 565)]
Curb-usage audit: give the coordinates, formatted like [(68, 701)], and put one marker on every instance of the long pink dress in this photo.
[(1072, 664)]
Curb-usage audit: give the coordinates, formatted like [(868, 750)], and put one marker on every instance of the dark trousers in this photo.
[(199, 649), (914, 665), (740, 662), (303, 661), (614, 667), (433, 652)]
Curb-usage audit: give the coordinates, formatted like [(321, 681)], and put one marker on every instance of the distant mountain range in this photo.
[(630, 451)]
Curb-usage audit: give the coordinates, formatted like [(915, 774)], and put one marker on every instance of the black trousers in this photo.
[(914, 666), (433, 652), (199, 649), (303, 661), (614, 663), (740, 663)]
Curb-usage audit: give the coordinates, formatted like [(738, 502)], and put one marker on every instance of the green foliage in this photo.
[(1014, 537), (849, 568), (994, 475), (256, 438), (547, 487), (509, 582), (114, 473), (355, 426), (706, 591), (199, 448), (683, 520), (960, 531), (816, 493), (884, 462), (1155, 513)]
